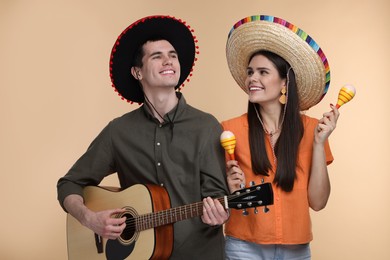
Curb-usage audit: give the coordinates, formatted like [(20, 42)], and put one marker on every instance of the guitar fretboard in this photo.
[(169, 216)]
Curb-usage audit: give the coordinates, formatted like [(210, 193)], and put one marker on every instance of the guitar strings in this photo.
[(163, 216), (166, 216)]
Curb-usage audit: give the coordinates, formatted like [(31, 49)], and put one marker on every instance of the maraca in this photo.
[(345, 95), (228, 142)]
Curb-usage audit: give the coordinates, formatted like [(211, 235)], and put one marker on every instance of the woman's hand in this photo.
[(235, 176), (326, 125)]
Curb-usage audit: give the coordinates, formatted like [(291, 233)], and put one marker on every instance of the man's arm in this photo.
[(101, 222)]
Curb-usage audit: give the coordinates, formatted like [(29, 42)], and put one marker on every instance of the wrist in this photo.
[(318, 144), (85, 216)]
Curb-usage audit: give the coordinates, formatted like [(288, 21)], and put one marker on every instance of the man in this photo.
[(164, 142)]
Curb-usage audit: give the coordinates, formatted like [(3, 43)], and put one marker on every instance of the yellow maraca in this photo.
[(228, 142), (345, 95)]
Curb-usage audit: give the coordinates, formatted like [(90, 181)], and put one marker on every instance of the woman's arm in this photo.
[(319, 183)]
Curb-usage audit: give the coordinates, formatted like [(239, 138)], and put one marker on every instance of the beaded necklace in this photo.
[(271, 134)]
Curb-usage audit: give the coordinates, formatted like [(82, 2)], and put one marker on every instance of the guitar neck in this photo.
[(169, 216), (255, 196)]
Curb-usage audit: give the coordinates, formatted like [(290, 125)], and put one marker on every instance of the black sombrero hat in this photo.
[(174, 30)]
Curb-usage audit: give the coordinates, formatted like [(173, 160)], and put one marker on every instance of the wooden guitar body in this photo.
[(152, 243)]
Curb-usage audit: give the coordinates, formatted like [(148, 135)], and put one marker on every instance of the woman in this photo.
[(284, 72)]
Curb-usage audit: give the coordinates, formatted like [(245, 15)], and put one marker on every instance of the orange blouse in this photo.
[(288, 220)]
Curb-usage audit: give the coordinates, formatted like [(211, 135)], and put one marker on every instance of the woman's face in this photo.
[(263, 81)]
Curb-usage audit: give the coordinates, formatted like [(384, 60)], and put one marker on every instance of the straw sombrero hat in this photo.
[(176, 31), (261, 32)]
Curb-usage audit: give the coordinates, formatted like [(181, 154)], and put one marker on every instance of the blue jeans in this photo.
[(237, 249)]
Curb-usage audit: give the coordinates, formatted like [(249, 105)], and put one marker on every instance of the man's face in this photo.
[(161, 67)]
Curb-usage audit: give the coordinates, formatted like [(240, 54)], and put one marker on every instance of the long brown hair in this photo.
[(286, 148)]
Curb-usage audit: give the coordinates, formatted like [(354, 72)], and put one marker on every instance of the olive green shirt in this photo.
[(185, 157)]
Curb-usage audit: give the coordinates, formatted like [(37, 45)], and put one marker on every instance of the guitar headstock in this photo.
[(254, 196)]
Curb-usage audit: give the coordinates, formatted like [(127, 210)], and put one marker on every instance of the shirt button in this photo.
[(160, 125), (158, 144), (158, 164)]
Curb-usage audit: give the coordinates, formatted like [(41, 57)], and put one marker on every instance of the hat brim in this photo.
[(291, 43), (173, 30)]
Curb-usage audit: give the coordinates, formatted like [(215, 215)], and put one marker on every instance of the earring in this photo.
[(282, 98)]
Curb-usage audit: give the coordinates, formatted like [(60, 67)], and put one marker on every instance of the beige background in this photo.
[(56, 96)]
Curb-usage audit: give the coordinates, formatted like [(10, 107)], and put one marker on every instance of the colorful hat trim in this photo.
[(256, 31)]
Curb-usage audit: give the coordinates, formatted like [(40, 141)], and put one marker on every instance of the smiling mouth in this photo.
[(167, 72), (255, 88)]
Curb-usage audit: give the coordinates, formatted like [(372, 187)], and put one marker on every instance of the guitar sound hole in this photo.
[(130, 233)]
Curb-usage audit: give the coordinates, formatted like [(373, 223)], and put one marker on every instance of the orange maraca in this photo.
[(345, 95), (228, 142)]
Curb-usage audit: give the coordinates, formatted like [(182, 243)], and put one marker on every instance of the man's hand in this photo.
[(103, 223), (213, 212)]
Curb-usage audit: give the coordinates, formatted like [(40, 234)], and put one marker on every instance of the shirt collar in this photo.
[(171, 114)]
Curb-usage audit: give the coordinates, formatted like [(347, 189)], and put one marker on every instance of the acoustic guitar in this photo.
[(149, 218)]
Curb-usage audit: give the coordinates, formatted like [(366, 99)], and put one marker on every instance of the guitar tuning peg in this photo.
[(245, 212), (255, 210), (252, 183), (262, 181), (265, 209), (242, 185)]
